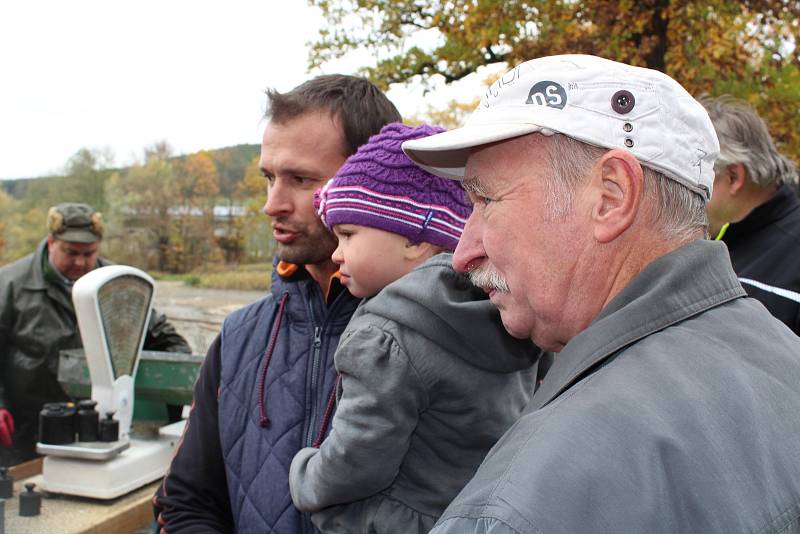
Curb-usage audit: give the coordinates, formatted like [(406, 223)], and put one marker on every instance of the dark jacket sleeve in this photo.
[(161, 335), (194, 495), (6, 320)]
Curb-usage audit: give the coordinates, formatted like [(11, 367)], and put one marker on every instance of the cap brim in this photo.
[(78, 236), (446, 154)]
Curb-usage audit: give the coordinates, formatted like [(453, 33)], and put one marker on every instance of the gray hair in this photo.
[(744, 138), (676, 210)]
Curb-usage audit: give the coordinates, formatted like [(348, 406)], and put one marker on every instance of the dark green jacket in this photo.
[(37, 320)]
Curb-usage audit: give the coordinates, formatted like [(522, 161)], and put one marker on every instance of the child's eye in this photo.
[(342, 234)]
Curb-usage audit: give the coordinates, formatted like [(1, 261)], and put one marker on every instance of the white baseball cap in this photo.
[(591, 99)]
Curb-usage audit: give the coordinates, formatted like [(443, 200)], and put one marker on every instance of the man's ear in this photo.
[(737, 178), (618, 183)]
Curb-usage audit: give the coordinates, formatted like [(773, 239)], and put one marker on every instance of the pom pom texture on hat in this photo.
[(380, 187)]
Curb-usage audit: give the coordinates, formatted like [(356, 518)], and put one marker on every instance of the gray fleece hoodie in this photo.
[(430, 380)]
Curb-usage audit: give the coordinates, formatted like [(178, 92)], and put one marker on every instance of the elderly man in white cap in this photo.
[(673, 404)]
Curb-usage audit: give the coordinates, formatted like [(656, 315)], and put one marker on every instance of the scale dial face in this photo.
[(124, 302)]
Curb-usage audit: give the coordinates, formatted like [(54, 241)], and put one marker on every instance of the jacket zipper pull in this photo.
[(317, 337)]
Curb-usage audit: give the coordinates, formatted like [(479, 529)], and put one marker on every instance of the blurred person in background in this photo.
[(755, 210), (37, 321)]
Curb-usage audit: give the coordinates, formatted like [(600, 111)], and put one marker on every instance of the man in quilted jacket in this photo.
[(266, 389)]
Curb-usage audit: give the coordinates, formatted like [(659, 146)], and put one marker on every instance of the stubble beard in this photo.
[(73, 276), (314, 244)]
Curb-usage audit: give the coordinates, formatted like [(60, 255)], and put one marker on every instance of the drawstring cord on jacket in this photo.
[(326, 418), (262, 410)]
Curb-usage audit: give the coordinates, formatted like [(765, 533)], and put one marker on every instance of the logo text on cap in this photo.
[(509, 78), (547, 93)]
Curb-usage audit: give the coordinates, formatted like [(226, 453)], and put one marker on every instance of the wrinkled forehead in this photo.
[(518, 156), (311, 144)]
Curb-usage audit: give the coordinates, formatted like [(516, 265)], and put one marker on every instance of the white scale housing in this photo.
[(113, 306)]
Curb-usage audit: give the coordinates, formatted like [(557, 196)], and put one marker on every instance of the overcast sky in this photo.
[(123, 74)]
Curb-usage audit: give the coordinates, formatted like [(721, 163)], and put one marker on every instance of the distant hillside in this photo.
[(16, 187), (231, 164)]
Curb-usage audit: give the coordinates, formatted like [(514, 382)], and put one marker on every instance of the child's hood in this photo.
[(435, 301)]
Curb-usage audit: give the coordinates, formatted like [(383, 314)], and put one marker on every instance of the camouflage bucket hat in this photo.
[(74, 222)]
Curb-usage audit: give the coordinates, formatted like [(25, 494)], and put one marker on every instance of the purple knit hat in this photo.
[(380, 187)]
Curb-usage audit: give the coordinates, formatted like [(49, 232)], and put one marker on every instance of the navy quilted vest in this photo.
[(299, 381)]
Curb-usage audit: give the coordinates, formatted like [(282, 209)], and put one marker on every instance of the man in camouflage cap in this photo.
[(37, 321)]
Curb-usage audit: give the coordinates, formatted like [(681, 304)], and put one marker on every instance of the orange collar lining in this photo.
[(286, 269)]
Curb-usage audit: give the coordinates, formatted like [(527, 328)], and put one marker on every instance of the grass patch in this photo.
[(249, 277), (167, 277), (244, 280)]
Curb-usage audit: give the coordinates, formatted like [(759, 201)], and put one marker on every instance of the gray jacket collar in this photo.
[(694, 278)]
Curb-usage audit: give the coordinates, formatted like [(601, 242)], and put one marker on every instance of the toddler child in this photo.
[(429, 380)]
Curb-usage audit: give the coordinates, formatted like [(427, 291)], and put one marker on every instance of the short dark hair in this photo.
[(361, 108)]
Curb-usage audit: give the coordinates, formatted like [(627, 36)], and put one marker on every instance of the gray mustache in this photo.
[(487, 278)]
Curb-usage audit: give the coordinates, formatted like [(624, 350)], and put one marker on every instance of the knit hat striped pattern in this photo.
[(380, 187)]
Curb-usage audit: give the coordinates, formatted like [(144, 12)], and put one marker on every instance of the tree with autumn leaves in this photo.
[(746, 48), (198, 187)]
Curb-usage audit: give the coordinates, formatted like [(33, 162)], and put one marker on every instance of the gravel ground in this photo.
[(197, 313)]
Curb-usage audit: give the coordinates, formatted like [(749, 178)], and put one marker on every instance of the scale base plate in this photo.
[(141, 463), (85, 450)]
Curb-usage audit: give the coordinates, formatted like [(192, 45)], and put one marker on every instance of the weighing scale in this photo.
[(113, 306)]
